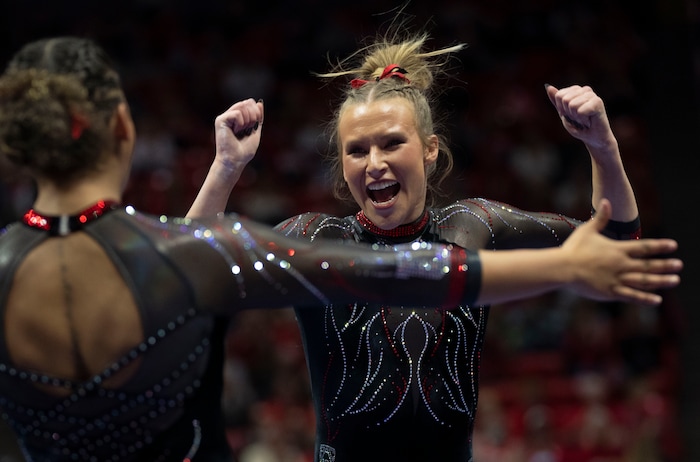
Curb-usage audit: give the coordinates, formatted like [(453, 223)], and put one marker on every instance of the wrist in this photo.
[(226, 169), (606, 152)]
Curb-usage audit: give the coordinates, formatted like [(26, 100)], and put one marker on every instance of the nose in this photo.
[(375, 163)]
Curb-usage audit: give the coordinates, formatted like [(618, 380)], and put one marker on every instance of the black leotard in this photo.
[(397, 385), (187, 278)]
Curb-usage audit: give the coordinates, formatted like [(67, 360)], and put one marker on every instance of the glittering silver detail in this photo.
[(496, 209), (456, 356), (100, 431), (435, 267), (385, 363), (255, 254), (196, 440), (297, 227)]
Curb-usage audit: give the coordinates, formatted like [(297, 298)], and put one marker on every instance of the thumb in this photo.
[(602, 214), (551, 91)]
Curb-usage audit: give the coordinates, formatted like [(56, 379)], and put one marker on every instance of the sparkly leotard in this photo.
[(188, 278), (397, 385)]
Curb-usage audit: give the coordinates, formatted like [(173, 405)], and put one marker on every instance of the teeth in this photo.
[(381, 185)]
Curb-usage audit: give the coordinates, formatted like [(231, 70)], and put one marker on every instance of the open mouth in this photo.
[(383, 191)]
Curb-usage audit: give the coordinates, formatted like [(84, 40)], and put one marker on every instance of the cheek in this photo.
[(350, 170), (344, 167), (416, 166)]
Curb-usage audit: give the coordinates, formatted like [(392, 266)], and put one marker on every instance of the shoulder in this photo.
[(310, 225), (9, 227), (473, 206), (481, 207), (15, 239), (131, 230)]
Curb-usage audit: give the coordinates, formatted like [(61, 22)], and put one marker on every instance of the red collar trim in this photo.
[(65, 224), (410, 229)]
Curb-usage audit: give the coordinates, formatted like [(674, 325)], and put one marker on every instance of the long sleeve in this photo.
[(486, 224), (232, 264)]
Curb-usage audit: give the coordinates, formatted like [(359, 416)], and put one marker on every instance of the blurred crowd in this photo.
[(563, 379)]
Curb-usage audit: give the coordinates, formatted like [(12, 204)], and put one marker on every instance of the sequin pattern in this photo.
[(115, 429), (382, 373)]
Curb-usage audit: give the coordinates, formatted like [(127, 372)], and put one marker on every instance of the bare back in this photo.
[(69, 312), (107, 348)]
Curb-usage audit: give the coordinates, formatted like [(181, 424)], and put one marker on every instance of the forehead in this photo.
[(378, 115)]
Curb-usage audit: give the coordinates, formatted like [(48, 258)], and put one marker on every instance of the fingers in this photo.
[(638, 281), (575, 124), (662, 265), (639, 287), (247, 131), (652, 271), (630, 294), (578, 105), (648, 281), (641, 267), (254, 115), (243, 118), (575, 104), (649, 247)]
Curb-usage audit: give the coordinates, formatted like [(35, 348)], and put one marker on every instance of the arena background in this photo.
[(557, 370)]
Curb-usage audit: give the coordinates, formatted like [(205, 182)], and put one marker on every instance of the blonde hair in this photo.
[(420, 68)]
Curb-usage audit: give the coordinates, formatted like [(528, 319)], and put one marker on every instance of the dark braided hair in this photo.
[(51, 85)]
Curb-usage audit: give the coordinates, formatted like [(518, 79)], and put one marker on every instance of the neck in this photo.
[(405, 230), (54, 200)]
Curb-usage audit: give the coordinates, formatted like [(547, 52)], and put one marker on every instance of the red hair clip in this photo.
[(78, 124), (392, 70)]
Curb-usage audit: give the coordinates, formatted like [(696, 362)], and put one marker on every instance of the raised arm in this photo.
[(237, 132), (583, 115)]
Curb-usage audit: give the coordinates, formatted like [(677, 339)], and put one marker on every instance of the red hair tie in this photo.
[(78, 124), (392, 70)]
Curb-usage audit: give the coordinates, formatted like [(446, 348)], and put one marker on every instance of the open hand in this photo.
[(611, 270)]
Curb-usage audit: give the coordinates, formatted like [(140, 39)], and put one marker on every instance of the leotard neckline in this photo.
[(62, 225), (410, 229)]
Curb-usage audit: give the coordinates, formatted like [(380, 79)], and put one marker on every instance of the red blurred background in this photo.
[(563, 379)]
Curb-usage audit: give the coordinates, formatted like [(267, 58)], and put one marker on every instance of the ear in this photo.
[(124, 125), (431, 152)]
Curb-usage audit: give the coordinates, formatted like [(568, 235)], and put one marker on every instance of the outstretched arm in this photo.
[(262, 268), (238, 132), (583, 115)]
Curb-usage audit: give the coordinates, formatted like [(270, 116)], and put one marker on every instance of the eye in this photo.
[(355, 150), (394, 142)]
